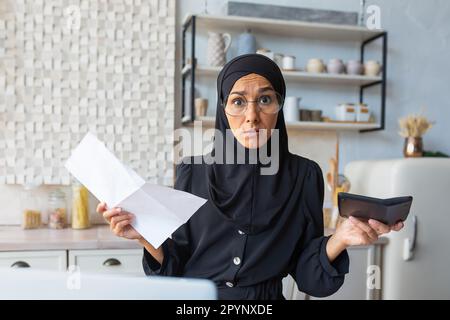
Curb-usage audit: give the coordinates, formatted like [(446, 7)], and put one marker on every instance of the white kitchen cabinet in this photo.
[(127, 261), (290, 290), (365, 261), (45, 260)]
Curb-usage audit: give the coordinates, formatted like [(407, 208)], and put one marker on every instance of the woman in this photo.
[(254, 229)]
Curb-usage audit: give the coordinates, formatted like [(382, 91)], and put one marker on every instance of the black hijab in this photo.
[(238, 191)]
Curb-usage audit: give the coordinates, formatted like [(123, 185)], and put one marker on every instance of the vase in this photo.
[(413, 147), (218, 45), (336, 66), (372, 68), (246, 43), (354, 67), (315, 66)]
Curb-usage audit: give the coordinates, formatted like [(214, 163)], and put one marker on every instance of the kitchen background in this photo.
[(118, 74), (419, 38)]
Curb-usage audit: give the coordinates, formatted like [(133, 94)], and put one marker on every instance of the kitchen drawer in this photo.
[(46, 260), (108, 261)]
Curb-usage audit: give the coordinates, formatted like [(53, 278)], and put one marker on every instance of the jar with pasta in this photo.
[(57, 209), (80, 206), (31, 212)]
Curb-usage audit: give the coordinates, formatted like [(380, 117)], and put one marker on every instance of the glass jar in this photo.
[(57, 209), (31, 213), (80, 206)]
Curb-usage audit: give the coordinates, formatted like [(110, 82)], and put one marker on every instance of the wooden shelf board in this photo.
[(298, 29), (299, 76)]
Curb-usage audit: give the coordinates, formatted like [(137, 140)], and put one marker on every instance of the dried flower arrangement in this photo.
[(414, 126)]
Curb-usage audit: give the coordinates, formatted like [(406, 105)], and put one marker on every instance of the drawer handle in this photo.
[(20, 264), (111, 262)]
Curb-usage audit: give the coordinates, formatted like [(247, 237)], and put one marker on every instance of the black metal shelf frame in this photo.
[(191, 23)]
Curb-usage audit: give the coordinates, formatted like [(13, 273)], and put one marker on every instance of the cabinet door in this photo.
[(108, 261), (290, 291), (42, 260)]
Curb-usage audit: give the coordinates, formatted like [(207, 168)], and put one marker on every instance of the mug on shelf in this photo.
[(305, 115), (316, 115), (291, 110), (289, 63), (278, 58)]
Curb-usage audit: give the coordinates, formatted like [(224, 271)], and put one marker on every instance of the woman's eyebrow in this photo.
[(266, 89), (242, 93)]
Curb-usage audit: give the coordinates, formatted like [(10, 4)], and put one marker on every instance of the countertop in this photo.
[(14, 238)]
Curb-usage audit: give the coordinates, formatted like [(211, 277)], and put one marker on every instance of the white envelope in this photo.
[(159, 210)]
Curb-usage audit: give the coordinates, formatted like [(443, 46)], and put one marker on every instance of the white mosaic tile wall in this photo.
[(68, 67)]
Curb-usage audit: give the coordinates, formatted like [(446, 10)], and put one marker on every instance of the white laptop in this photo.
[(55, 285)]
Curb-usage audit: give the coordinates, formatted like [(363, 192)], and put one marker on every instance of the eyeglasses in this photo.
[(268, 103)]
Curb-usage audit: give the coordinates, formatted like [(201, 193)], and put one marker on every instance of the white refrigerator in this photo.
[(416, 261)]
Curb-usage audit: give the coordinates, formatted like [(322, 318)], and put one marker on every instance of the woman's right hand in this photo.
[(120, 225), (119, 222)]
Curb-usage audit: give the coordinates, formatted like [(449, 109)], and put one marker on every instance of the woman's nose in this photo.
[(252, 114)]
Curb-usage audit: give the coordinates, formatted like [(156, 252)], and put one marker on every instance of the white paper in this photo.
[(159, 210)]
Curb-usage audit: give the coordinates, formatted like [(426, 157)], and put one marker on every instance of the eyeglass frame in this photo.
[(248, 102)]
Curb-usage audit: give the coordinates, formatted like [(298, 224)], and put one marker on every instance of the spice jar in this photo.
[(31, 214), (80, 206), (57, 209)]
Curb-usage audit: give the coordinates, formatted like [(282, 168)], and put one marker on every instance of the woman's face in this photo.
[(253, 128)]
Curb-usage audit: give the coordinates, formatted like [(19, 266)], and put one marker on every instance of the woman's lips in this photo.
[(251, 133)]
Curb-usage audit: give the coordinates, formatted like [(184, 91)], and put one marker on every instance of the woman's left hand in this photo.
[(355, 232)]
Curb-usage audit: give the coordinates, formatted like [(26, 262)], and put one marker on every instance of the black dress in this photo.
[(252, 266)]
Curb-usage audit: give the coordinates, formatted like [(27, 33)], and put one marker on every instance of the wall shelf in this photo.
[(307, 30), (316, 31), (299, 76)]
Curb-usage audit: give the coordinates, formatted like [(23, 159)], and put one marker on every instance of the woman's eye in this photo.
[(265, 100), (238, 102)]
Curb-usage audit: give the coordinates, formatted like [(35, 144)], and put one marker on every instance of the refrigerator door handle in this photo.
[(409, 244)]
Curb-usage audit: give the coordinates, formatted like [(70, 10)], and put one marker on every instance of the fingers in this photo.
[(398, 226), (108, 214), (379, 227), (101, 207), (119, 227), (382, 228), (364, 239), (118, 218), (370, 232)]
